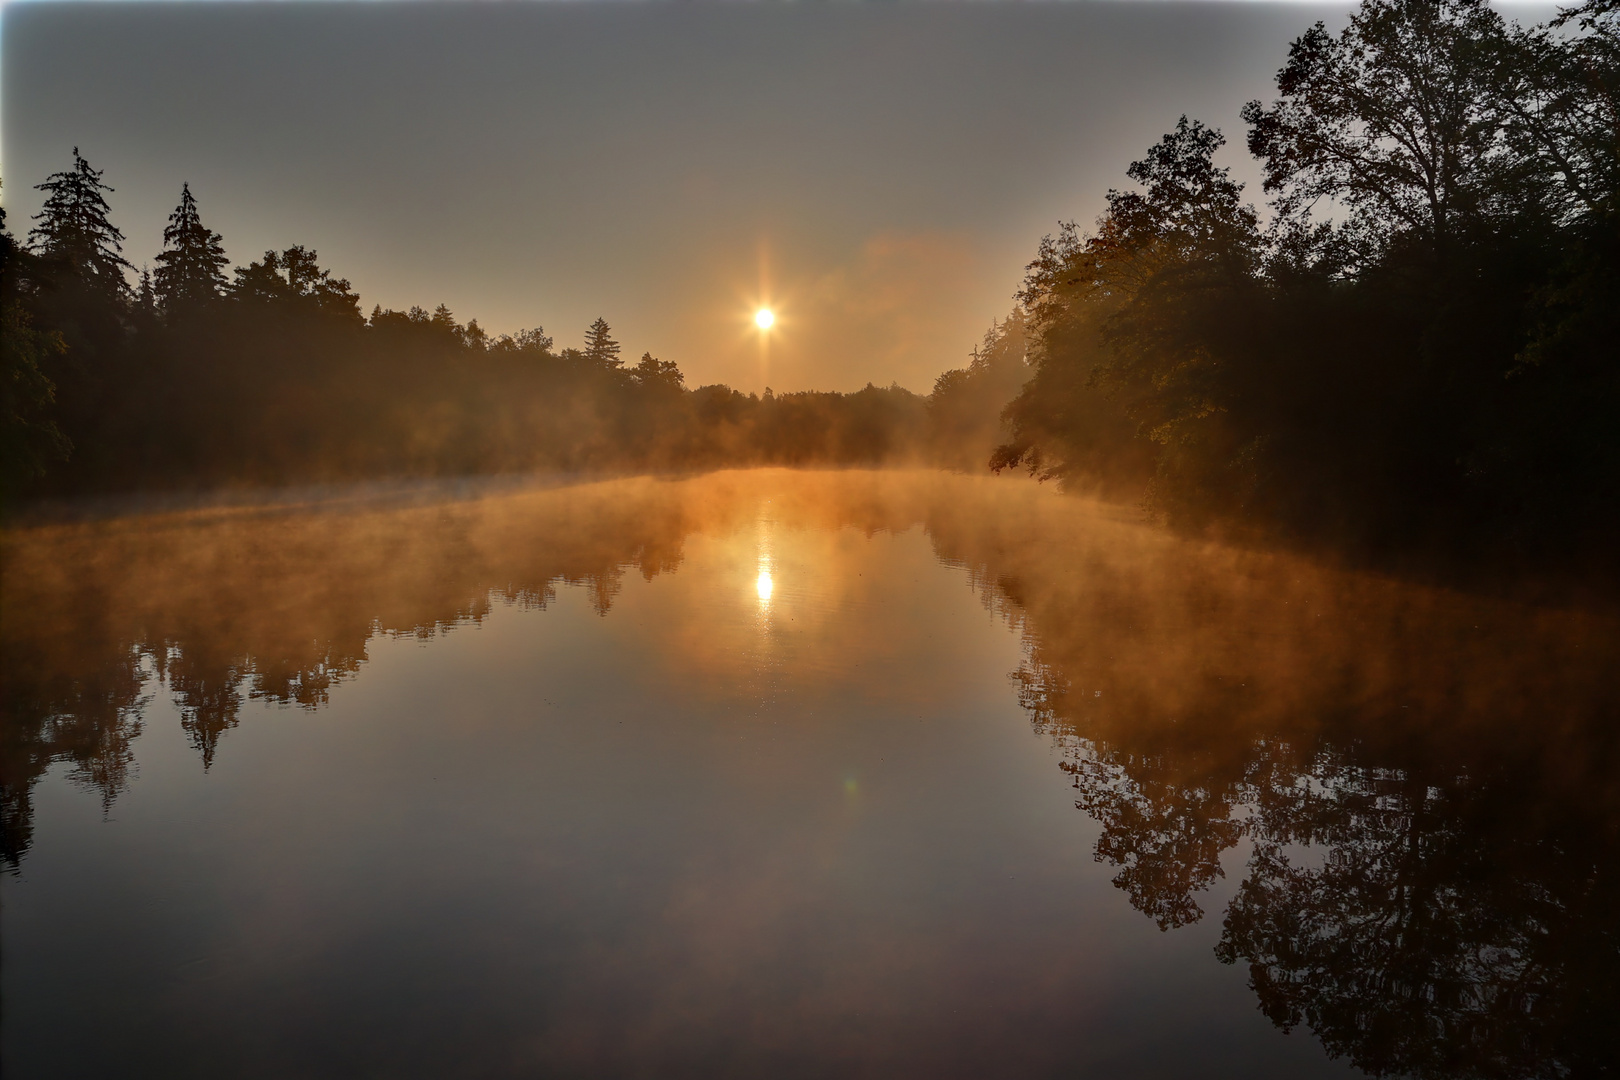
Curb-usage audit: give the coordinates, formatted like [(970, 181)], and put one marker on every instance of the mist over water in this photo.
[(393, 686), (790, 773)]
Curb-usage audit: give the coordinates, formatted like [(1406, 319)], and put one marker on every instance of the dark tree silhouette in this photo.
[(190, 270), (295, 277), (1435, 372), (1559, 100), (146, 300), (600, 348), (1397, 119), (74, 228), (653, 372), (29, 438), (1144, 314)]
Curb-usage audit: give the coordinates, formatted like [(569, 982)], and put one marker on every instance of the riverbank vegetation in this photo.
[(1417, 344), (1410, 347), (277, 377)]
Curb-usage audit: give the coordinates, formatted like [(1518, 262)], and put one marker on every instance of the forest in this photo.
[(1410, 347), (1417, 345), (190, 380)]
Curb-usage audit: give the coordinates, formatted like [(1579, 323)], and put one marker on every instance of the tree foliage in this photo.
[(29, 438), (600, 348), (1398, 120), (653, 372), (1415, 348), (279, 378), (964, 411), (74, 227), (191, 267), (294, 279)]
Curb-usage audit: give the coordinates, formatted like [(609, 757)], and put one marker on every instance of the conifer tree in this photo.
[(145, 296), (29, 437), (74, 228), (600, 349), (191, 268)]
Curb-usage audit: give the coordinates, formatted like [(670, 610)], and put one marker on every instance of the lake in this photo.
[(776, 773)]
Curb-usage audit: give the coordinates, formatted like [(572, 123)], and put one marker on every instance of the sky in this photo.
[(877, 174)]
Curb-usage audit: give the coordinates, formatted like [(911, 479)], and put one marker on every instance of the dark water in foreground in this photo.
[(777, 774)]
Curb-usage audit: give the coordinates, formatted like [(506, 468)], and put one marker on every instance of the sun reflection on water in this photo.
[(763, 585)]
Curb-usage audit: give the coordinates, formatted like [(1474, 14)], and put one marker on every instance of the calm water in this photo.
[(781, 774)]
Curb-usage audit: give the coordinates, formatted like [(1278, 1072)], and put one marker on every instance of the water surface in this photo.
[(789, 774)]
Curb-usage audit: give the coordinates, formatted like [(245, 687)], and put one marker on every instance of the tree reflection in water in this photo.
[(1420, 923), (1429, 886), (1423, 782), (219, 608)]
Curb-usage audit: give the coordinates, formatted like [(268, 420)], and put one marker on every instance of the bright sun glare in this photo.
[(764, 584), (764, 317)]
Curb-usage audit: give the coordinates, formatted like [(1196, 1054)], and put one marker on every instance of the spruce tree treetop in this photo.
[(191, 268), (145, 297), (74, 228), (600, 348)]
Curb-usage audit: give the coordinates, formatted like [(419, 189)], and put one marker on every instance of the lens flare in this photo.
[(764, 318)]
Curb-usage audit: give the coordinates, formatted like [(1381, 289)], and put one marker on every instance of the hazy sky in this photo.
[(879, 174)]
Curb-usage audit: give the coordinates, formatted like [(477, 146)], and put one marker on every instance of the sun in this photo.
[(764, 318)]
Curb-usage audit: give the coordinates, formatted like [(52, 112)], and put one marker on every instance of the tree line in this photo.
[(182, 376), (1413, 348), (1417, 345)]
